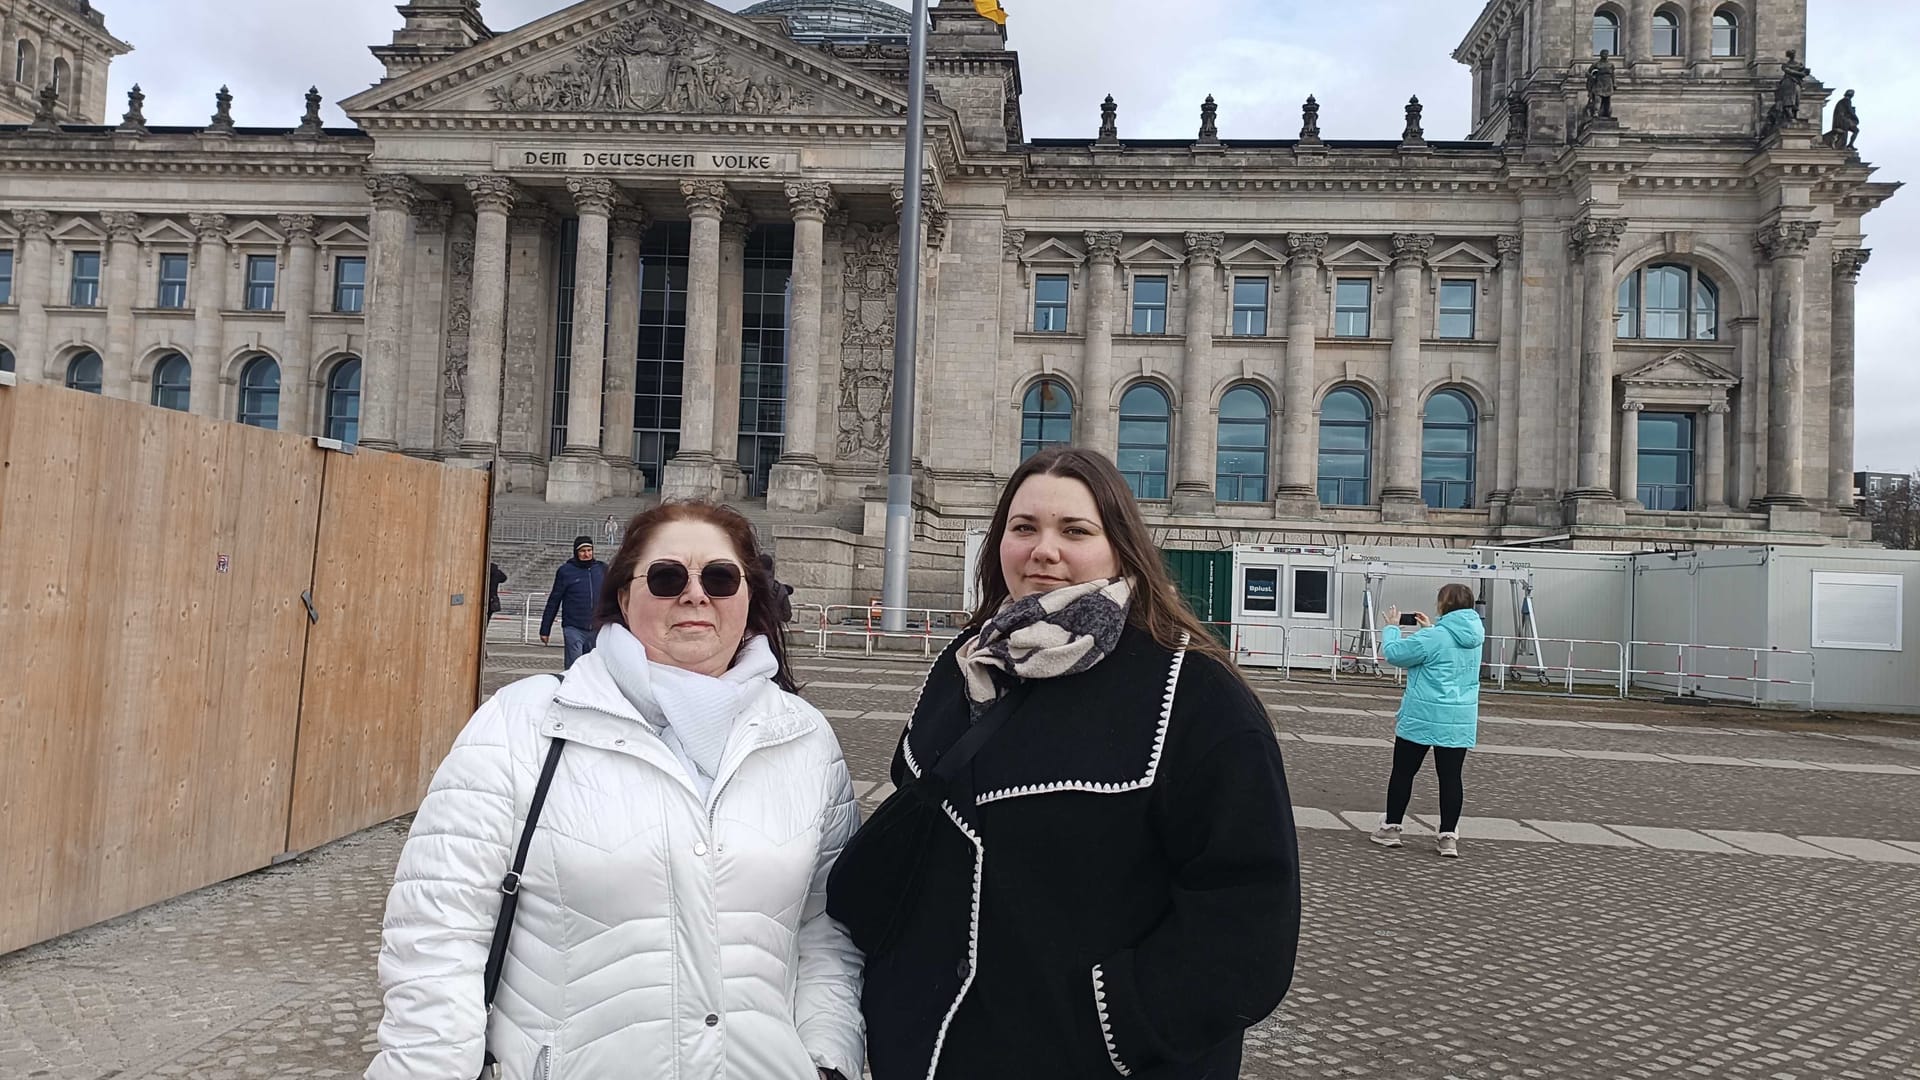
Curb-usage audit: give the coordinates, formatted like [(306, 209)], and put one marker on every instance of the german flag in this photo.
[(990, 9)]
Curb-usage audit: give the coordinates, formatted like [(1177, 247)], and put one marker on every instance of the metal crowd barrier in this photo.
[(864, 621), (1500, 646), (1685, 681)]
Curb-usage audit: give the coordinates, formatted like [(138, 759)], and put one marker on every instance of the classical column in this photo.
[(1193, 492), (628, 227), (296, 359), (1630, 452), (1716, 476), (1700, 31), (1400, 495), (1507, 405), (32, 279), (691, 474), (123, 259), (795, 483), (1638, 32), (734, 226), (423, 341), (1785, 245), (1096, 369), (1847, 264), (493, 199), (209, 325), (1595, 239), (578, 475), (1297, 490), (383, 369)]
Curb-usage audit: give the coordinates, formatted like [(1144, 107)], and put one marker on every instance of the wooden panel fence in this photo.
[(158, 670)]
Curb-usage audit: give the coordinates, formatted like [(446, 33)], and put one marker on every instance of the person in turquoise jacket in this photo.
[(1439, 712)]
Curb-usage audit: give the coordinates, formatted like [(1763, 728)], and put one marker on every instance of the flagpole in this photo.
[(906, 336)]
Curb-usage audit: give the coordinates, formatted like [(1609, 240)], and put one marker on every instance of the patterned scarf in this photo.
[(1044, 635)]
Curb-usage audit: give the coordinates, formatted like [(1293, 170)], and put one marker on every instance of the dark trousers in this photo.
[(1447, 762)]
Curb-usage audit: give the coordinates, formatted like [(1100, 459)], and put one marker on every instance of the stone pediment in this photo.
[(1052, 251), (639, 58), (1358, 253), (1463, 257), (1680, 368)]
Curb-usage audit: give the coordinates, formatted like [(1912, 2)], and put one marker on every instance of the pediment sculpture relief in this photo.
[(651, 64)]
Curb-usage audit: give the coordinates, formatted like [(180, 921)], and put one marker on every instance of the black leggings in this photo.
[(1447, 761)]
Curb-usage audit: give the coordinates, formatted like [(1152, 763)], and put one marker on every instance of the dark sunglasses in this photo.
[(668, 580)]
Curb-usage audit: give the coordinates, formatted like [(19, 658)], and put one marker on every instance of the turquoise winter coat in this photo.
[(1442, 704)]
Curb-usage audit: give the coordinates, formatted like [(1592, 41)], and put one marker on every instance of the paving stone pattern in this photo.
[(1580, 935)]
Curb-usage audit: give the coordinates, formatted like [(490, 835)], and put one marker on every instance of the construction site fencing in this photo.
[(1582, 660), (1729, 671), (863, 623)]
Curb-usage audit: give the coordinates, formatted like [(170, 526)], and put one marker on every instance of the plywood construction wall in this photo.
[(158, 669)]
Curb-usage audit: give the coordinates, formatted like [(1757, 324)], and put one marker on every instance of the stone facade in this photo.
[(1637, 313)]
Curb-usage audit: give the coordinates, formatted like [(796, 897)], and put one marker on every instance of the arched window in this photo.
[(343, 402), (6, 359), (1726, 33), (1606, 33), (1669, 302), (23, 65), (260, 393), (1666, 34), (1046, 418), (1346, 448), (61, 76), (173, 382), (83, 372), (1145, 422), (1447, 443), (1240, 465)]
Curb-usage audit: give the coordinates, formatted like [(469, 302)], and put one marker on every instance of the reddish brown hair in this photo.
[(1455, 597), (763, 614), (1157, 608)]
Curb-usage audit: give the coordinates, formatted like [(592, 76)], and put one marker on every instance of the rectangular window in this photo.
[(1249, 307), (260, 276), (1150, 305), (1353, 308), (349, 283), (173, 280), (6, 277), (1456, 309), (86, 279), (1857, 611), (1262, 588), (1050, 303), (1312, 591), (1666, 461)]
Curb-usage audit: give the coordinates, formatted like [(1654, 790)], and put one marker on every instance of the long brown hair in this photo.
[(763, 609), (1157, 608), (1455, 597)]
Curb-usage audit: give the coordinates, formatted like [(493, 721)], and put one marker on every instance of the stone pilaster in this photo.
[(1716, 473), (1194, 469), (123, 259), (32, 278), (209, 324), (1507, 405), (296, 359), (691, 474), (1847, 264), (1595, 240), (628, 227), (1297, 494), (493, 198), (1096, 371), (734, 227), (382, 366), (526, 393), (1400, 495), (578, 475), (796, 481), (1785, 244)]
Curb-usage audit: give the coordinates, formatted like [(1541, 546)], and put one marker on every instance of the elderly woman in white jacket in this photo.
[(672, 909)]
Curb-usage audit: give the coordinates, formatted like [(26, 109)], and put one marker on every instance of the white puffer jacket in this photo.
[(657, 935)]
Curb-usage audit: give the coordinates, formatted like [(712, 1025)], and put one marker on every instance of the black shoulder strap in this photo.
[(510, 885), (978, 733)]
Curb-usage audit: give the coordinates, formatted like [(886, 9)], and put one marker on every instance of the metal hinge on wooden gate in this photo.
[(313, 614)]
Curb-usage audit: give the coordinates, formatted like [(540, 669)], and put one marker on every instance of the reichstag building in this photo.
[(651, 245)]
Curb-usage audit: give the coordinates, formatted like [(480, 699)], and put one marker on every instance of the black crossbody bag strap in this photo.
[(510, 885), (978, 734)]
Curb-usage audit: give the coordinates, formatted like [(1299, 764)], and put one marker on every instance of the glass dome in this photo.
[(821, 19)]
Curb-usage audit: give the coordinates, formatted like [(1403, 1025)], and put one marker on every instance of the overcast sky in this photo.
[(1260, 58)]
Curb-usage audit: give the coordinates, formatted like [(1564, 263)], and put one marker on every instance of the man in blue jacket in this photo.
[(576, 588)]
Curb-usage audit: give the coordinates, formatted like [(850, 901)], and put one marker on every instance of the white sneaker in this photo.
[(1448, 845), (1387, 835)]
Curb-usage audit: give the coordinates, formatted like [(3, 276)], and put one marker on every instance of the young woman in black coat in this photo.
[(1109, 885)]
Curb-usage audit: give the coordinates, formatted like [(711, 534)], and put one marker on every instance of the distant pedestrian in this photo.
[(611, 527), (576, 588), (1439, 712), (496, 577), (782, 592)]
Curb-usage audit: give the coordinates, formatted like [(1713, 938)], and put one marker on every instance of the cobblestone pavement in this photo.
[(1649, 891)]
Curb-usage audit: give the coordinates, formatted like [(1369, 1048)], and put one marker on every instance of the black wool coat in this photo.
[(1115, 893)]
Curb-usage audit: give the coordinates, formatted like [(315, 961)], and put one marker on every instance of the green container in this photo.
[(1205, 579)]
